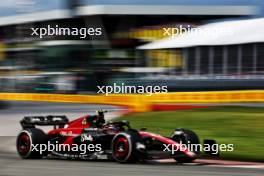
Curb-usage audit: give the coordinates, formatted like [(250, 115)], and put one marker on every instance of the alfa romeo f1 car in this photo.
[(112, 140)]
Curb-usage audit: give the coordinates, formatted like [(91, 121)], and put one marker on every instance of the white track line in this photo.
[(240, 166)]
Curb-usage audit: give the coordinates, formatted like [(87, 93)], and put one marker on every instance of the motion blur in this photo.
[(76, 64)]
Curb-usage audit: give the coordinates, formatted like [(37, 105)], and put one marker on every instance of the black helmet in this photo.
[(101, 112), (100, 118)]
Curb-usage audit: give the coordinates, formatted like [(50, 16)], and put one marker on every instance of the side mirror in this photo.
[(125, 122)]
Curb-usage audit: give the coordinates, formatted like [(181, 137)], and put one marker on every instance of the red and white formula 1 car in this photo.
[(89, 137)]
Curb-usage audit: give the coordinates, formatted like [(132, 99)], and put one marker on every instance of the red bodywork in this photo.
[(75, 128), (71, 130)]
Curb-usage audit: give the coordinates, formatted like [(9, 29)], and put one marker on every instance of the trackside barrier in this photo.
[(133, 102), (143, 103)]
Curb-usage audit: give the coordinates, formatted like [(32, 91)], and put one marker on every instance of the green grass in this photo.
[(241, 126)]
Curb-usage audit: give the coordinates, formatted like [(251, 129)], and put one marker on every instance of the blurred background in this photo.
[(69, 64)]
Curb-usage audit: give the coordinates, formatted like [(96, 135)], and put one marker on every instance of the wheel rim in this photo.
[(23, 144), (121, 148)]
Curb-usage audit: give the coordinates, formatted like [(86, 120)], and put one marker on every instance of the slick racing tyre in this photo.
[(124, 147), (25, 141), (188, 137)]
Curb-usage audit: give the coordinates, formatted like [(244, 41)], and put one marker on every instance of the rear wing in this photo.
[(50, 120)]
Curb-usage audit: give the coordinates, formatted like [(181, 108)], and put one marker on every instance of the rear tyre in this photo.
[(25, 141), (124, 147)]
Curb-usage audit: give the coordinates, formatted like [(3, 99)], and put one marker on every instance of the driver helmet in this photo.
[(100, 118)]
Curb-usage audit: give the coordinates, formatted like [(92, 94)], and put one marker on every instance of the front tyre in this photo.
[(26, 139), (187, 137)]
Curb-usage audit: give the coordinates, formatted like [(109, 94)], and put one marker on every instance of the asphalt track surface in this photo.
[(12, 165)]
